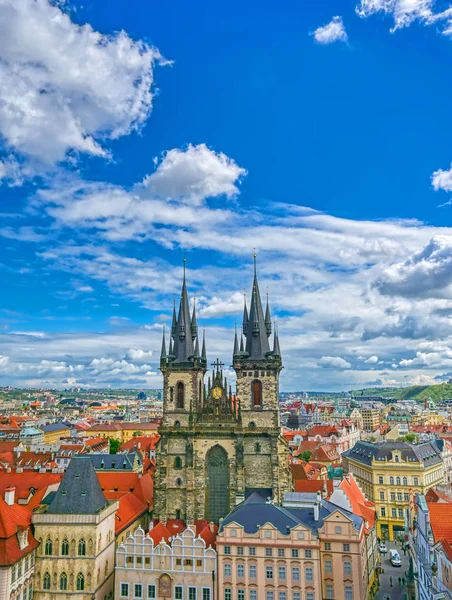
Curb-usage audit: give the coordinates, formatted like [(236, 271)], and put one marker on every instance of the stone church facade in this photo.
[(216, 448)]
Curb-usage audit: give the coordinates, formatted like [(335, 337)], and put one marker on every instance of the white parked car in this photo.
[(383, 548)]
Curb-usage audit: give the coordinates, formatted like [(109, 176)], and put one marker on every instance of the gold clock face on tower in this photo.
[(217, 393)]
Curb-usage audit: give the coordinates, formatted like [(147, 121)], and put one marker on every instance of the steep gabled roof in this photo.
[(80, 491)]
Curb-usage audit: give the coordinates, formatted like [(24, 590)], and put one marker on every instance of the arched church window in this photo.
[(65, 547), (180, 395), (177, 424), (46, 581), (82, 547), (256, 389), (48, 547), (178, 462), (178, 482), (80, 581), (217, 471), (63, 581)]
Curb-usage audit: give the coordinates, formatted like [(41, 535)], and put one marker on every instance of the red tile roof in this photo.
[(360, 505), (441, 520), (158, 533), (130, 508)]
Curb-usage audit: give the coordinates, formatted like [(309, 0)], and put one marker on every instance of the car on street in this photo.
[(394, 557), (383, 548)]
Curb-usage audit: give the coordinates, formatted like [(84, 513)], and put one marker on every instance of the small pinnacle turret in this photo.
[(276, 348), (163, 351), (268, 319), (236, 343), (194, 324)]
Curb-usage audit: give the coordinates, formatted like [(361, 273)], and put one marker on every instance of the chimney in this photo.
[(317, 507), (9, 495)]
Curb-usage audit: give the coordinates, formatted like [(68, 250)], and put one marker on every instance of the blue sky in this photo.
[(317, 132)]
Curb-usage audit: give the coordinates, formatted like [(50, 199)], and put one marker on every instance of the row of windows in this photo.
[(399, 496), (27, 593), (396, 513), (139, 590), (65, 548), (187, 562), (282, 571), (25, 564), (269, 595), (397, 480), (63, 583), (281, 552)]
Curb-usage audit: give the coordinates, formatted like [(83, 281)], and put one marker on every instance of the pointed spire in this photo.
[(163, 351), (236, 342), (241, 345), (194, 324), (197, 348), (174, 322), (276, 348), (257, 346), (268, 319), (245, 315), (170, 350), (203, 351), (183, 341)]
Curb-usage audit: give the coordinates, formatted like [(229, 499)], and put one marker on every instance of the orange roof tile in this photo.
[(130, 508), (158, 533), (441, 520)]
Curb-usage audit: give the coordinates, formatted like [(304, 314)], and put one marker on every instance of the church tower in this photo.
[(217, 447)]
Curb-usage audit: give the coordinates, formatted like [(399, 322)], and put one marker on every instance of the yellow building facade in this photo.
[(388, 474)]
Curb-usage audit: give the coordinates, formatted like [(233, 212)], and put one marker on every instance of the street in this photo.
[(396, 592)]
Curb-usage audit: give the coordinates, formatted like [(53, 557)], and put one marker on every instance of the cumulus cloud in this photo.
[(442, 180), (405, 12), (371, 360), (334, 31), (67, 88), (334, 362), (426, 273), (138, 355), (222, 306), (194, 174)]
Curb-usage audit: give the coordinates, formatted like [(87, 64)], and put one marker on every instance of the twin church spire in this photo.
[(184, 345)]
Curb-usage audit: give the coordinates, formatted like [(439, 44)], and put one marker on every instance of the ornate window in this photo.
[(46, 581), (397, 480), (180, 395), (63, 581), (80, 581), (391, 481), (82, 547), (178, 462), (256, 390), (217, 467), (65, 547), (405, 481), (48, 550)]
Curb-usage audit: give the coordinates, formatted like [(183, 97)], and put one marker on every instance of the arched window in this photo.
[(178, 462), (178, 481), (177, 424), (391, 481), (256, 389), (405, 481), (46, 581), (48, 547), (397, 480), (63, 581), (80, 581), (252, 425), (180, 395), (82, 547), (65, 547)]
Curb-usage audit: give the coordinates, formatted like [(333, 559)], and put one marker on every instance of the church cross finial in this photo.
[(217, 364)]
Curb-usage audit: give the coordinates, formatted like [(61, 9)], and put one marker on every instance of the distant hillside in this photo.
[(442, 391)]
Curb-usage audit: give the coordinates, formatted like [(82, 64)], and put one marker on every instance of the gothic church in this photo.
[(217, 447)]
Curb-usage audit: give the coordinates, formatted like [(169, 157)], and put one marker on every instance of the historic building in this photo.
[(161, 565), (216, 447), (388, 473), (76, 535)]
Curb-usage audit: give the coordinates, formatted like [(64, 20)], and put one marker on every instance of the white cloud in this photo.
[(371, 360), (334, 362), (405, 12), (194, 174), (442, 180), (332, 32), (138, 355), (67, 88), (222, 306)]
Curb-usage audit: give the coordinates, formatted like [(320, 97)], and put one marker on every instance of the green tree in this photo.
[(137, 433), (114, 445), (410, 437), (306, 455)]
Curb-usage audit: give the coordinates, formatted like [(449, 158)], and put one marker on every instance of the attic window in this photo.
[(83, 494), (63, 493)]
